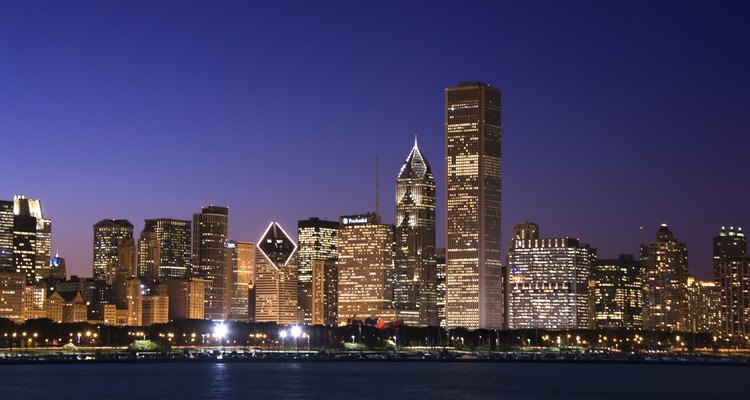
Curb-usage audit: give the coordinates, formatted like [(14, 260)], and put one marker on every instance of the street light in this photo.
[(220, 331), (283, 339), (296, 332)]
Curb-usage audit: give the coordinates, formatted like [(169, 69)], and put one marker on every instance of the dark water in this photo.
[(362, 380)]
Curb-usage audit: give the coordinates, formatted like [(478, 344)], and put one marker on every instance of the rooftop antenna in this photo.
[(377, 186)]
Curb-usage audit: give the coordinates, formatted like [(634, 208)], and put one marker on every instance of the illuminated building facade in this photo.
[(67, 307), (34, 301), (210, 228), (473, 172), (317, 240), (276, 277), (618, 293), (107, 236), (440, 285), (43, 241), (24, 246), (186, 298), (416, 283), (242, 259), (164, 249), (366, 270), (6, 236), (325, 279), (548, 283), (665, 264), (12, 291), (732, 276), (155, 310), (703, 307)]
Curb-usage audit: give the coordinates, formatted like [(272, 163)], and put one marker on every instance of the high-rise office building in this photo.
[(665, 264), (317, 240), (473, 174), (24, 246), (164, 249), (210, 228), (703, 307), (440, 285), (276, 277), (6, 236), (366, 270), (325, 297), (416, 282), (732, 276), (107, 236), (617, 293), (43, 243), (242, 259), (548, 283)]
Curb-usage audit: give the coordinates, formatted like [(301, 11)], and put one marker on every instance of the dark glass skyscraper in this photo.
[(317, 240), (210, 228), (6, 236), (416, 281), (474, 175), (24, 246), (732, 276), (618, 293)]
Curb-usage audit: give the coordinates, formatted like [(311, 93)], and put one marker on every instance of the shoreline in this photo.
[(369, 357)]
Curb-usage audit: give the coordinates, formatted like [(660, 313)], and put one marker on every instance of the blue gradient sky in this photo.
[(616, 114)]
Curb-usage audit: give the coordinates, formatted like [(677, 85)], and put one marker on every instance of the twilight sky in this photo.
[(615, 114)]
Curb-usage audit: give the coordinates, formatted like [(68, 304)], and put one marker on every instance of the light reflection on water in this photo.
[(371, 380)]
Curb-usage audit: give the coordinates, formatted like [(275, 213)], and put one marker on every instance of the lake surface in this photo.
[(372, 380)]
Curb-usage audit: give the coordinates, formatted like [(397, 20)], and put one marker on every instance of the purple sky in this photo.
[(616, 114)]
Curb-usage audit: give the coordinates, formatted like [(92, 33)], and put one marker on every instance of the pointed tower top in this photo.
[(415, 141)]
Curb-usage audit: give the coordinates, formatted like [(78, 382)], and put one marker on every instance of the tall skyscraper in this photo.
[(108, 233), (416, 280), (210, 228), (24, 246), (473, 172), (242, 259), (33, 207), (276, 277), (618, 293), (317, 240), (665, 263), (732, 276), (548, 282), (366, 270), (164, 249), (6, 236)]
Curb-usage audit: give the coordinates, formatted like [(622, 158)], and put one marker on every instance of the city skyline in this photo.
[(596, 142)]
